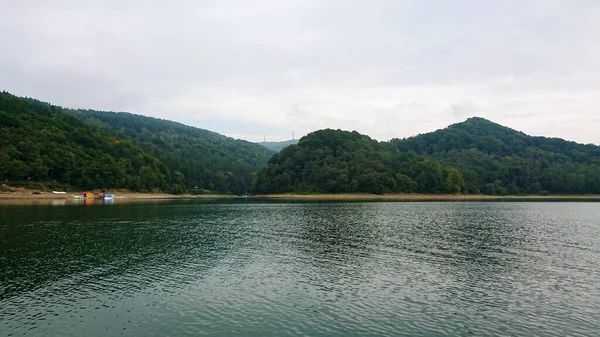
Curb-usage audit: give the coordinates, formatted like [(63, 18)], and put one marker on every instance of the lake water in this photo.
[(329, 268)]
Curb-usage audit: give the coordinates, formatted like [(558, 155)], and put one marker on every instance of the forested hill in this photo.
[(45, 144), (100, 150), (335, 161), (476, 156), (206, 159), (498, 160)]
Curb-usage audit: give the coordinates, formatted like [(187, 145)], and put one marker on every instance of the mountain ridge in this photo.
[(98, 149), (187, 159), (491, 159)]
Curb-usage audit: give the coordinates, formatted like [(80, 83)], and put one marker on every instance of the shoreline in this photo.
[(21, 198), (25, 196), (417, 197)]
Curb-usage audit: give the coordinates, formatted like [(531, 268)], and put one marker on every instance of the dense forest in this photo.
[(201, 158), (45, 144), (42, 143), (473, 157), (335, 161), (494, 159)]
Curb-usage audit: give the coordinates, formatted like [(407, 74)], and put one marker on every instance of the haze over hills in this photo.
[(277, 146)]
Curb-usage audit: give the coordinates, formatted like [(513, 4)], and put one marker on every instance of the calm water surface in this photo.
[(331, 269)]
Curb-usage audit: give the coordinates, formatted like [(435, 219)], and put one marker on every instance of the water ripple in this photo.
[(402, 269)]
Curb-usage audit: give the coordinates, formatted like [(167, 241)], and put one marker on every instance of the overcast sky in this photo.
[(244, 68)]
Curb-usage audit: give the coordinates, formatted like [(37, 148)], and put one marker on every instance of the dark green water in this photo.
[(330, 269)]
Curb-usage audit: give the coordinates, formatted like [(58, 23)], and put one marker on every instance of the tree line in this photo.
[(336, 161), (498, 160), (91, 149), (88, 149), (473, 157)]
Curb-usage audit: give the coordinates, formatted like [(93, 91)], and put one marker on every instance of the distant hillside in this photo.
[(92, 149), (42, 143), (476, 156), (89, 149), (206, 159), (498, 160), (277, 146), (335, 161)]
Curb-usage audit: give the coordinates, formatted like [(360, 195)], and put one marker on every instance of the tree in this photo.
[(454, 181)]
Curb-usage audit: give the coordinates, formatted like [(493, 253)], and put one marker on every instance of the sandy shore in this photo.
[(424, 197), (52, 196), (22, 198), (21, 193), (18, 195)]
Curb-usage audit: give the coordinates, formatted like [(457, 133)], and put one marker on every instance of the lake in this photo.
[(248, 268)]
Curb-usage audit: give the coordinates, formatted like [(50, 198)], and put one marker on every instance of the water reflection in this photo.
[(330, 269), (334, 230), (337, 241), (479, 261), (66, 245)]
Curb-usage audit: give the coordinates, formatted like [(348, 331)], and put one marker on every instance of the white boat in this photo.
[(109, 196), (57, 192)]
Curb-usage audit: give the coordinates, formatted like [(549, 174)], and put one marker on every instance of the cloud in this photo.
[(464, 109), (386, 68)]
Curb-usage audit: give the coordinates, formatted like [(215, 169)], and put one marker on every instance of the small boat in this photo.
[(91, 196), (57, 192)]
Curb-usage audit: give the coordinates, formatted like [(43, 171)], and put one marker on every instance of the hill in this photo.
[(473, 157), (42, 143), (498, 160), (206, 159), (93, 149), (90, 149), (278, 146), (336, 161)]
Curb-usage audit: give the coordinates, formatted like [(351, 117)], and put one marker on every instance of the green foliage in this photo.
[(494, 159), (39, 142), (103, 150), (49, 145), (198, 158), (335, 161), (476, 156)]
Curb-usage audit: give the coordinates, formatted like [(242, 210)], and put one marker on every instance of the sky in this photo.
[(250, 69)]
